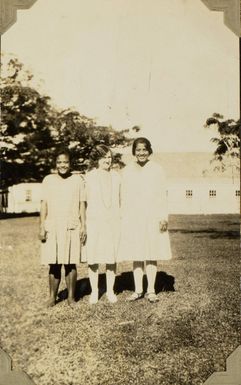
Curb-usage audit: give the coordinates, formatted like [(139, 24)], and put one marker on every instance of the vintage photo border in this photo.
[(231, 14), (230, 8)]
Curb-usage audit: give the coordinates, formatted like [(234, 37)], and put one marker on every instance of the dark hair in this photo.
[(62, 151), (98, 152), (144, 141)]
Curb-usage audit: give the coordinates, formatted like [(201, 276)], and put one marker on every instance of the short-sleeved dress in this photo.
[(102, 216), (143, 206), (62, 224)]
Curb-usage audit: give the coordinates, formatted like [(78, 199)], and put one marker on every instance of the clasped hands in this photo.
[(83, 234), (42, 234), (163, 225)]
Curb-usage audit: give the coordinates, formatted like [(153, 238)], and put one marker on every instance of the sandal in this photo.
[(71, 302), (93, 299), (111, 297), (152, 297), (134, 297), (50, 303)]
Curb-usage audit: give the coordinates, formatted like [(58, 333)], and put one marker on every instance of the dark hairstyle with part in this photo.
[(144, 141), (62, 151), (98, 152)]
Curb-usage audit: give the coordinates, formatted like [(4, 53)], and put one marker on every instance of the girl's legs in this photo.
[(138, 272), (110, 281), (71, 278), (151, 271), (93, 276), (54, 280)]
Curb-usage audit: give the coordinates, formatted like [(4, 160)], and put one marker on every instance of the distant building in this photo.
[(185, 196), (190, 188), (203, 196), (24, 198)]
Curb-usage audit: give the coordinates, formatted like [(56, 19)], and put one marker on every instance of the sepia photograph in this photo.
[(120, 192)]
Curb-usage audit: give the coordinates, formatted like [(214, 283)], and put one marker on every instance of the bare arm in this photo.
[(43, 215), (164, 220), (163, 225), (83, 221), (82, 209)]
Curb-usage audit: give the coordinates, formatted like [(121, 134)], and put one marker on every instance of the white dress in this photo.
[(102, 216), (143, 206), (63, 197)]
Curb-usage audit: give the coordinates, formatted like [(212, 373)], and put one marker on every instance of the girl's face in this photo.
[(141, 153), (105, 162), (63, 164)]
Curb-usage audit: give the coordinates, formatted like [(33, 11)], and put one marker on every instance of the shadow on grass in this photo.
[(18, 215), (210, 233), (125, 281)]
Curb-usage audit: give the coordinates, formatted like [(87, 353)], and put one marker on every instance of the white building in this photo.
[(24, 198), (203, 196), (185, 196), (192, 187)]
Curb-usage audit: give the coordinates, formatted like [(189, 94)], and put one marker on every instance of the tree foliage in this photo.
[(81, 133), (27, 119), (228, 139), (32, 129)]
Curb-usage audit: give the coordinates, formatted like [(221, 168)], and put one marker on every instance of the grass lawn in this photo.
[(180, 340)]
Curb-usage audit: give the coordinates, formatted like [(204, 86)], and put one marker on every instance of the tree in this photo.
[(227, 152), (31, 129), (27, 119), (81, 133)]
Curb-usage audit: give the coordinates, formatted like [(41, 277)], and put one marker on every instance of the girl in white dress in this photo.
[(62, 225), (102, 221), (144, 235)]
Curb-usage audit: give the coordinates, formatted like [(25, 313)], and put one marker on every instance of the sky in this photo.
[(164, 65)]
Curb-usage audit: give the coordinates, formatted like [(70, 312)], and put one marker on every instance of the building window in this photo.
[(212, 193), (237, 193), (28, 196), (189, 194)]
